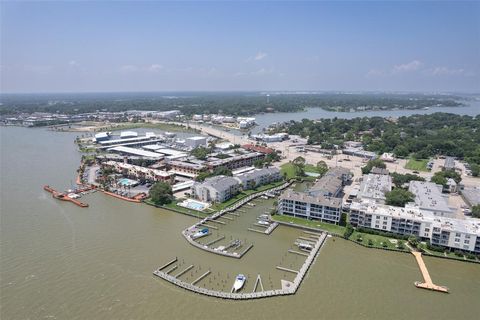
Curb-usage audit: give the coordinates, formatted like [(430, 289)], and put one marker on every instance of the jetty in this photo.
[(64, 197), (428, 283)]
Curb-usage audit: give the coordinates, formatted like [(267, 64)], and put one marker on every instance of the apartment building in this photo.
[(138, 172), (412, 220), (216, 189)]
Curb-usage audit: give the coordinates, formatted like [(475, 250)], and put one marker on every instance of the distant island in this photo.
[(236, 104)]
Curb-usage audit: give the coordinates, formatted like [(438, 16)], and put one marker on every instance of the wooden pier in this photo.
[(63, 197), (428, 283), (286, 269), (215, 240), (201, 277), (298, 252), (257, 282)]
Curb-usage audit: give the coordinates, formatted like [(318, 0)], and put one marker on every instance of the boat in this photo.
[(264, 217), (200, 234), (263, 223), (239, 282), (305, 246)]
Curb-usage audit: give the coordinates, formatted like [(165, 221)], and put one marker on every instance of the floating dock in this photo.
[(428, 283)]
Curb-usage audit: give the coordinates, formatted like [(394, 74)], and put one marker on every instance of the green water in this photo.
[(60, 261)]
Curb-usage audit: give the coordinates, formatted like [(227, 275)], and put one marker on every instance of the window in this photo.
[(457, 234), (457, 239), (466, 241)]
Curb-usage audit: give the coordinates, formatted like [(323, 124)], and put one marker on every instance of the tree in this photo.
[(398, 197), (299, 166), (476, 211), (161, 193), (441, 177), (222, 171), (322, 167), (258, 163), (348, 231), (400, 179), (373, 163), (413, 240), (200, 153)]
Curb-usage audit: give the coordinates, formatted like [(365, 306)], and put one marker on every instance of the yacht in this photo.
[(239, 282)]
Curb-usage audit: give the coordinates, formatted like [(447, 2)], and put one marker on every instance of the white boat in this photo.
[(200, 234), (264, 217), (239, 282), (305, 246), (263, 222)]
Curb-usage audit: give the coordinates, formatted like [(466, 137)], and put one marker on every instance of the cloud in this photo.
[(260, 56), (129, 68), (256, 73), (445, 71), (374, 73), (257, 57), (407, 67), (73, 63), (40, 69), (155, 68)]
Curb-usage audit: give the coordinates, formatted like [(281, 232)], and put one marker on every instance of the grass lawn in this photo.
[(289, 169), (378, 241), (418, 165), (311, 168), (311, 223)]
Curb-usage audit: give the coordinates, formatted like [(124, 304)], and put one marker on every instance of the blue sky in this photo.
[(223, 46)]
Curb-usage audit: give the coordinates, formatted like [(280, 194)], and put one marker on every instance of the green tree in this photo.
[(222, 171), (476, 211), (299, 166), (373, 163), (322, 167), (398, 197), (161, 193), (200, 153), (348, 231), (413, 241), (258, 163)]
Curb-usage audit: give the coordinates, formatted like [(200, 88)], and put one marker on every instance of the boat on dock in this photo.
[(263, 222), (239, 282), (199, 234)]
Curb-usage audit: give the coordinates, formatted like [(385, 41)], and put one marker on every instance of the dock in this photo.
[(286, 269), (215, 240), (298, 252), (63, 197), (428, 283), (287, 287)]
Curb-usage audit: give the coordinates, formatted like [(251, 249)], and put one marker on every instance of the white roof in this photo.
[(197, 138), (137, 152)]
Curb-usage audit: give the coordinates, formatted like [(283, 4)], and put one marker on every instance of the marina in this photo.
[(288, 287)]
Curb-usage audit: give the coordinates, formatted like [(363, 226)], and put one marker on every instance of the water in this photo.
[(61, 261), (266, 119)]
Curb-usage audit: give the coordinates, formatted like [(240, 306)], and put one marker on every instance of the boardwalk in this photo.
[(428, 283)]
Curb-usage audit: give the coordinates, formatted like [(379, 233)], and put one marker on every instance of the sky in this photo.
[(239, 46)]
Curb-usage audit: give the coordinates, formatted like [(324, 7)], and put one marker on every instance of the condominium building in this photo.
[(412, 220), (319, 202), (216, 189), (300, 204), (258, 177), (138, 172), (375, 186), (237, 161), (428, 197)]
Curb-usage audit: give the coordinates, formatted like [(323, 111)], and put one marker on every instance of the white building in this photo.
[(258, 177), (216, 189), (195, 142), (412, 220), (375, 186), (128, 134), (428, 197)]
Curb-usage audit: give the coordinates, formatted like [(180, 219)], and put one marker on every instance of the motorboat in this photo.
[(305, 246), (239, 282), (200, 234), (263, 222)]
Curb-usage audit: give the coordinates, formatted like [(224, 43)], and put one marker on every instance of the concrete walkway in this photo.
[(428, 283)]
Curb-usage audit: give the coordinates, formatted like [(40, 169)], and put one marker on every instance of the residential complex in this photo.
[(429, 197), (216, 189), (138, 172), (222, 188), (413, 220), (320, 202), (375, 186)]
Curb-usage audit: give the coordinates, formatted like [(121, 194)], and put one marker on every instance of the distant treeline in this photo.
[(421, 136), (239, 104)]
